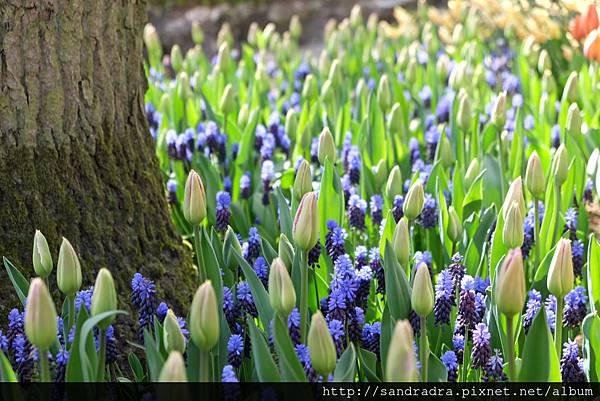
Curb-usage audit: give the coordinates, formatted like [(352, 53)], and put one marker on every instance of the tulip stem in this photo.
[(558, 326), (204, 366), (71, 311), (511, 349), (424, 349), (102, 357), (536, 234), (44, 366), (201, 270), (501, 161), (303, 294)]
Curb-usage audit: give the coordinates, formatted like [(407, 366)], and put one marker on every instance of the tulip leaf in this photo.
[(498, 247), (154, 358), (593, 274), (388, 233), (368, 364), (591, 346), (259, 293), (387, 328), (211, 264), (437, 371), (396, 285), (345, 370), (289, 366), (285, 218), (539, 362), (261, 355), (331, 199), (7, 374), (549, 225), (74, 370), (136, 367), (19, 282), (544, 266)]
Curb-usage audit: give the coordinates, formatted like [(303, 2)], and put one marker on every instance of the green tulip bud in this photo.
[(530, 49), (334, 72), (286, 251), (415, 199), (458, 75), (593, 163), (395, 118), (204, 318), (534, 176), (306, 222), (401, 242), (384, 95), (361, 89), (394, 183), (197, 33), (224, 35), (464, 113), (401, 364), (442, 66), (512, 234), (165, 103), (455, 227), (510, 284), (499, 111), (446, 154), (172, 336), (544, 62), (261, 78), (422, 296), (574, 120), (326, 92), (411, 70), (571, 91), (380, 173), (251, 38), (514, 194), (309, 90), (356, 17), (303, 180), (282, 295), (560, 275), (548, 83), (324, 64), (560, 164), (231, 244), (243, 115), (326, 147), (295, 27), (68, 270), (320, 345), (176, 58), (42, 259), (227, 102), (194, 200), (183, 89), (291, 123), (224, 57), (152, 41), (173, 371), (472, 173), (104, 298), (40, 316)]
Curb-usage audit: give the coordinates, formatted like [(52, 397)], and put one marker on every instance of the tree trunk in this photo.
[(76, 156)]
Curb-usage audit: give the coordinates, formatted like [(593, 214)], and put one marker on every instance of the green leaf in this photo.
[(331, 199), (368, 365), (397, 286), (74, 369), (285, 218), (539, 362), (437, 370), (19, 282), (593, 274), (345, 370), (261, 355), (591, 346), (549, 223), (289, 366), (544, 266), (7, 374), (136, 367), (212, 183), (388, 233), (498, 247), (212, 265), (154, 358), (259, 293)]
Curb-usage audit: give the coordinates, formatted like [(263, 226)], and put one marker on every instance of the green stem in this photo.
[(303, 295), (464, 363), (71, 314), (201, 269), (558, 326), (424, 349), (102, 357), (204, 366), (511, 349), (536, 236), (501, 161), (44, 366)]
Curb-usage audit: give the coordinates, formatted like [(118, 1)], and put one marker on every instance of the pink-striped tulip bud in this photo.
[(534, 176), (422, 297), (512, 233), (326, 146), (455, 227), (281, 289), (401, 364), (560, 275), (306, 222), (499, 111), (194, 201), (510, 284), (401, 242), (514, 194), (40, 316), (560, 164)]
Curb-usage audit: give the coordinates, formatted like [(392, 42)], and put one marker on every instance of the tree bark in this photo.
[(76, 157)]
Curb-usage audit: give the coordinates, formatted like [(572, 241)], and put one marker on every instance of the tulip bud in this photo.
[(512, 234), (401, 364), (104, 298), (472, 173), (458, 75), (286, 251), (183, 89), (573, 125), (173, 371), (379, 173), (42, 260), (455, 227), (306, 222), (231, 244), (411, 71), (303, 180), (560, 275), (394, 183), (422, 297), (194, 200), (571, 91), (395, 118), (176, 58), (252, 34), (548, 83), (243, 115), (499, 110), (320, 345), (291, 123), (544, 62), (442, 66), (384, 96), (295, 27), (197, 33), (151, 39), (446, 154), (326, 146), (227, 102), (40, 316), (224, 35), (326, 92), (464, 113), (534, 176), (401, 242), (204, 318), (514, 194), (281, 289), (172, 335), (560, 164), (224, 57), (261, 78), (68, 270), (510, 284), (415, 199), (335, 74), (309, 90)]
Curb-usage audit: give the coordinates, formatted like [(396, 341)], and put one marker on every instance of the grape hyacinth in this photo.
[(376, 206), (24, 357), (494, 369), (267, 174), (575, 307), (335, 240), (371, 334), (336, 328), (482, 351), (261, 268), (571, 365), (458, 343), (304, 358), (357, 208), (444, 298), (377, 268), (293, 323), (228, 375), (577, 251), (172, 191), (534, 303), (429, 215), (253, 245), (245, 185), (314, 254), (244, 296), (222, 210), (451, 363), (235, 350), (143, 301), (397, 208)]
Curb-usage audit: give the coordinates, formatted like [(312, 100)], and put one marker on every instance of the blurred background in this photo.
[(173, 18)]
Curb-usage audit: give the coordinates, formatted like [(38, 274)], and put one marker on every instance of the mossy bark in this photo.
[(76, 157)]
